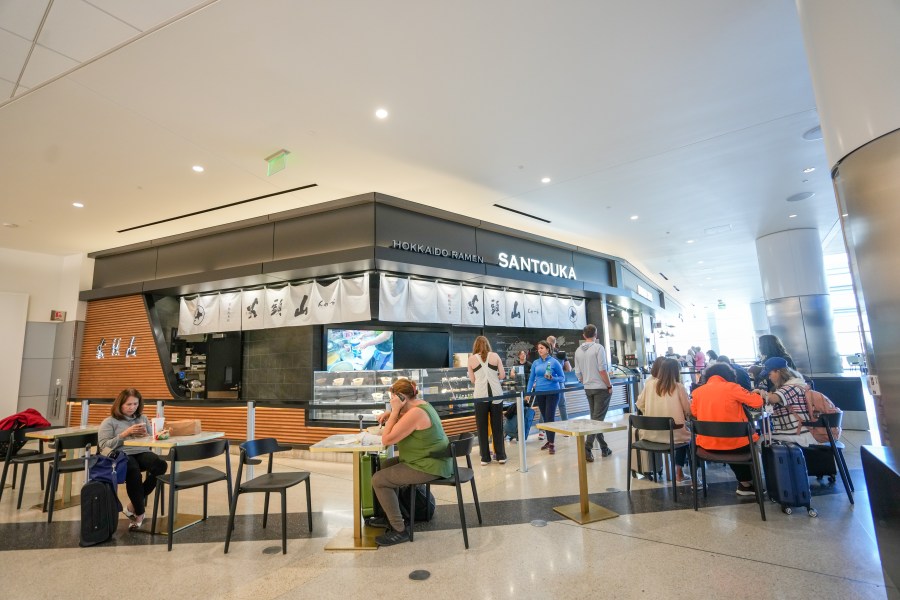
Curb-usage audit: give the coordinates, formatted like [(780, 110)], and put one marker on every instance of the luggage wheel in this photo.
[(787, 510), (831, 479), (812, 512)]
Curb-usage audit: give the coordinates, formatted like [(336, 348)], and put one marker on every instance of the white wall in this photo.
[(51, 282), (13, 308)]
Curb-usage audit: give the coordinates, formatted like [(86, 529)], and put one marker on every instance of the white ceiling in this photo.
[(687, 114)]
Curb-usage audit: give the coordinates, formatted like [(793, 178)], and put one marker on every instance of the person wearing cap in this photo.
[(720, 399), (788, 402)]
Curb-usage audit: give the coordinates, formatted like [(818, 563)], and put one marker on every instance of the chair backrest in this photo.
[(652, 423), (461, 445), (830, 419), (200, 451), (252, 448), (722, 429), (73, 442)]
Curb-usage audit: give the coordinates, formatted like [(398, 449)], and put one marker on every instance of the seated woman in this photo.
[(128, 421), (666, 397), (415, 427), (720, 399), (789, 402)]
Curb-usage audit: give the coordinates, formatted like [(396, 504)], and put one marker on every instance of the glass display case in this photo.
[(340, 397)]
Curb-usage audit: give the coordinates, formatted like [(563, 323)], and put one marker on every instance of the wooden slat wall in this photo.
[(105, 378), (286, 424)]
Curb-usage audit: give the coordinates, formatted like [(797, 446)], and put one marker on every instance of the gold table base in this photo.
[(345, 540), (595, 513)]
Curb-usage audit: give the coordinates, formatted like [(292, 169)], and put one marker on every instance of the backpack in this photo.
[(817, 404), (424, 506)]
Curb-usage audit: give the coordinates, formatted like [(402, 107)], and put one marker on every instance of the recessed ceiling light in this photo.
[(690, 242), (699, 262), (197, 169), (791, 216), (813, 134), (845, 215), (381, 113), (634, 217), (545, 180), (809, 169), (709, 278), (800, 196), (78, 205)]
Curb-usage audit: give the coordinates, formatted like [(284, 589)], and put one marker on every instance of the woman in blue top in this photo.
[(546, 374)]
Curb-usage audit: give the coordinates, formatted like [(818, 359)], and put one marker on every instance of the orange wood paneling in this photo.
[(285, 424), (119, 319)]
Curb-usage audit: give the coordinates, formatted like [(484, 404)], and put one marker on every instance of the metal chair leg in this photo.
[(284, 521)]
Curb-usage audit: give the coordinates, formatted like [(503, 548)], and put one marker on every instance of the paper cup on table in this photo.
[(157, 424)]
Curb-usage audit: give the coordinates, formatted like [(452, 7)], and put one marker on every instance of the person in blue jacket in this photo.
[(546, 374)]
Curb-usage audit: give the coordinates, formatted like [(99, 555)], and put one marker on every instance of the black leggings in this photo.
[(137, 489)]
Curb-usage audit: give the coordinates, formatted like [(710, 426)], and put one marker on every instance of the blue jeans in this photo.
[(563, 413), (547, 405)]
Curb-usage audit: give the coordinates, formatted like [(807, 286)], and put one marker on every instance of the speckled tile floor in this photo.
[(657, 548)]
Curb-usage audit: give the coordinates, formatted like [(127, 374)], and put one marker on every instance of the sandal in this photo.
[(136, 523), (131, 516)]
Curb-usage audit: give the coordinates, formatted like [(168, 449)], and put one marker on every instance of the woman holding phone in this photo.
[(127, 420), (546, 375), (416, 428)]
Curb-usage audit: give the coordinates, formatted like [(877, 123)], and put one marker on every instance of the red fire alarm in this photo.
[(57, 315)]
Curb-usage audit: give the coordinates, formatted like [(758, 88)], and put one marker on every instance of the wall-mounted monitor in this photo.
[(359, 350)]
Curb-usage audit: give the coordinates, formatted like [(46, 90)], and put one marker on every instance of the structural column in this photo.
[(853, 51), (798, 307)]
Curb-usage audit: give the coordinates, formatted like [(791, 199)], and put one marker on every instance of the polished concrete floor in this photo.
[(657, 548)]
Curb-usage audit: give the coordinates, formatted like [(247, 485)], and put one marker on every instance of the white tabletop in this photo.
[(581, 427), (52, 434), (355, 442), (175, 440)]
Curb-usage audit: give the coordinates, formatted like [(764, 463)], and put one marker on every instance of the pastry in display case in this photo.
[(344, 395)]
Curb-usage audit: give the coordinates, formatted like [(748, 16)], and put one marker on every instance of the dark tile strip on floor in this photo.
[(65, 534)]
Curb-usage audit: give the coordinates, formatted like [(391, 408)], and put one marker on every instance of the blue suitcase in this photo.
[(785, 473)]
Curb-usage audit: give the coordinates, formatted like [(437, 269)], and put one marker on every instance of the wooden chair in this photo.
[(460, 445), (638, 423), (183, 480), (726, 429), (268, 483)]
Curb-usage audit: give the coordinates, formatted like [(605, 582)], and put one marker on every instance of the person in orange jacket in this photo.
[(721, 399)]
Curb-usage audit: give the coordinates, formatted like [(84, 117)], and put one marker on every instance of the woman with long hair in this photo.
[(127, 420), (486, 371), (546, 375), (416, 428), (665, 396)]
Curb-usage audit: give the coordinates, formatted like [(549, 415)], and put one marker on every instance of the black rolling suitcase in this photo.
[(99, 508), (785, 473), (820, 462)]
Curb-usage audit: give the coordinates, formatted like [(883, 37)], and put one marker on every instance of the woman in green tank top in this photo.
[(415, 427)]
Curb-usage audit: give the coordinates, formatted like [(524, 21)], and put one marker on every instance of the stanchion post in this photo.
[(520, 421), (160, 409), (251, 432), (85, 409)]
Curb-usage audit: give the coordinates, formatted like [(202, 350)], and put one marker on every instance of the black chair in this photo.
[(460, 445), (726, 429), (201, 476), (835, 446), (11, 442), (267, 484), (638, 423), (62, 466)]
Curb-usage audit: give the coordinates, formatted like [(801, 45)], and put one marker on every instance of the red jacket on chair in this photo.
[(27, 418)]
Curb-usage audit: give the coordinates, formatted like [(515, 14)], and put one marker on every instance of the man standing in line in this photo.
[(591, 370)]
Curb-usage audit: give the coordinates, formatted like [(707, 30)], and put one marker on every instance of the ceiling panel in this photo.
[(144, 15), (22, 17), (45, 64), (13, 51), (80, 31)]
